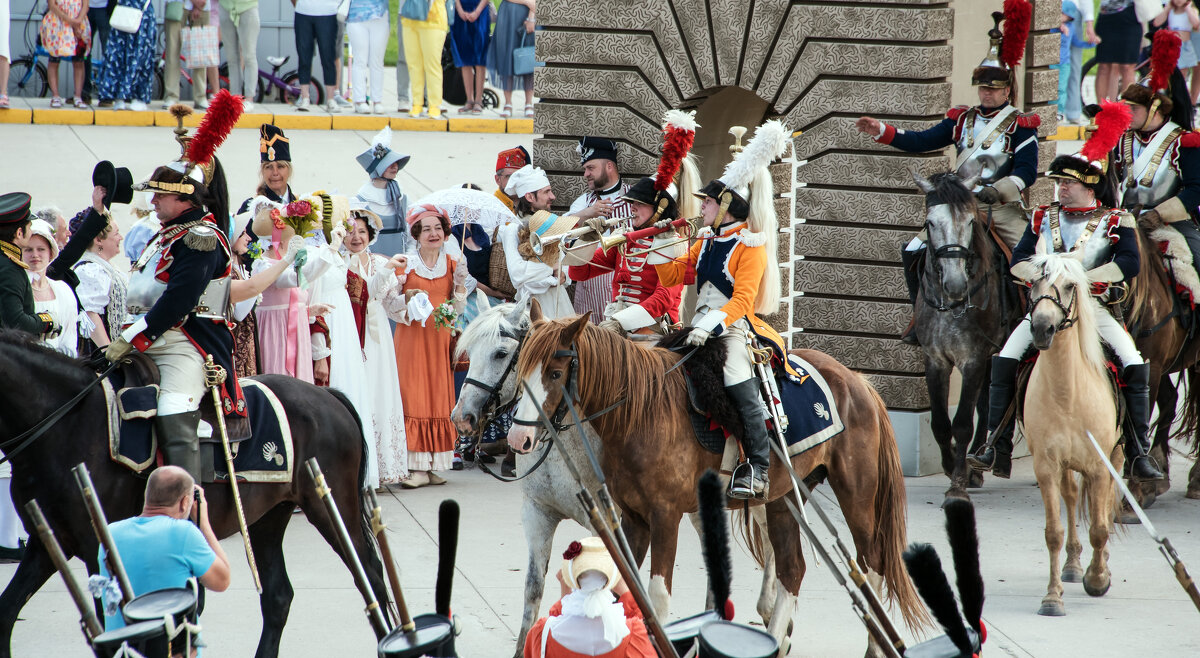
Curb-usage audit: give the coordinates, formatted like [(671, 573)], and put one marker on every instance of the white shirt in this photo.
[(317, 7)]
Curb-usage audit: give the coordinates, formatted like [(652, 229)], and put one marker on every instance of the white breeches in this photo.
[(738, 365), (1111, 332), (181, 373)]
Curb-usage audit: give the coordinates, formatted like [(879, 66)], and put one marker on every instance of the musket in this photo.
[(100, 526), (87, 612), (1164, 544), (214, 376), (374, 614), (378, 529)]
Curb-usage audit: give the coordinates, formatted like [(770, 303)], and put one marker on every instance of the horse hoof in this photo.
[(1072, 574), (1193, 493), (976, 480), (1097, 591), (1127, 517), (1162, 486), (1052, 609), (1149, 495)]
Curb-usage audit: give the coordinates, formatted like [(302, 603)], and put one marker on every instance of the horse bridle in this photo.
[(570, 389), (491, 406), (19, 443), (1056, 299), (952, 252)]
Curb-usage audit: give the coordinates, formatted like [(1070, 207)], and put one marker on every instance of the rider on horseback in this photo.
[(1084, 222), (178, 297), (737, 277), (1157, 161), (994, 141)]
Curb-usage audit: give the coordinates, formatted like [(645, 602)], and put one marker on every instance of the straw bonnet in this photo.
[(588, 554), (546, 224)]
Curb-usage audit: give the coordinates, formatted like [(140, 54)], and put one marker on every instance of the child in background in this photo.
[(66, 34)]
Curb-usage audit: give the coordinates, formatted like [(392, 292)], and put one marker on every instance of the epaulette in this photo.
[(1190, 139), (957, 111), (201, 238), (1035, 222), (1124, 218), (1029, 120)]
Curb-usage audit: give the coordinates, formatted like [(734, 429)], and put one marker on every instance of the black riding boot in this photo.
[(913, 262), (996, 455), (1137, 405), (179, 442), (751, 482)]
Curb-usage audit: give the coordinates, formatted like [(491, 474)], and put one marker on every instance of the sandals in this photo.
[(528, 111), (507, 111), (56, 102), (79, 104), (465, 109), (3, 101)]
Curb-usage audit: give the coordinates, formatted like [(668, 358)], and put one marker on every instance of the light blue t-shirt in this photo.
[(158, 552)]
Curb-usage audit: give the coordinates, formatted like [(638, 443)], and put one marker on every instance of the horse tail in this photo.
[(751, 534), (1189, 420), (375, 561), (891, 514)]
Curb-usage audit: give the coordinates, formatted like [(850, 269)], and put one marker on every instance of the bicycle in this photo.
[(288, 86), (27, 76)]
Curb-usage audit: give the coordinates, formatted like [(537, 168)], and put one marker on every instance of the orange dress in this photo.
[(635, 645), (427, 376)]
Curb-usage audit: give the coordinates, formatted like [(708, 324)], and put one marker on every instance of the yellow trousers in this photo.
[(423, 52)]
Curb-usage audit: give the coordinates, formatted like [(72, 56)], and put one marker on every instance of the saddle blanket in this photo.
[(264, 457), (1177, 258)]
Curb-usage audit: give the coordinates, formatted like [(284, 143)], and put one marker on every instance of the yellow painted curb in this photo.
[(16, 115), (300, 121), (476, 125), (1068, 133), (254, 120), (359, 122), (124, 118), (523, 126), (419, 125), (164, 118), (62, 117)]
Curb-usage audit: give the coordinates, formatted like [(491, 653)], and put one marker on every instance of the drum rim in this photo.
[(127, 628), (161, 593)]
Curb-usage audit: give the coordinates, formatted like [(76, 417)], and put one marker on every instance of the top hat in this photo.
[(14, 207), (116, 181)]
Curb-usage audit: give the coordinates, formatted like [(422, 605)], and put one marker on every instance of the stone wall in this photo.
[(845, 204)]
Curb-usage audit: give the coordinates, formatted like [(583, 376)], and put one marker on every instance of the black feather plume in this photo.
[(447, 549), (715, 528), (964, 544), (926, 571)]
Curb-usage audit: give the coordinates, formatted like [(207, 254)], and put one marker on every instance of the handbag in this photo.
[(498, 278), (524, 57), (127, 19), (1146, 10), (417, 10), (200, 46)]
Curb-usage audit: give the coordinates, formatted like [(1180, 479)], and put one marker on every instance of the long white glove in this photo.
[(294, 246), (337, 235), (697, 337)]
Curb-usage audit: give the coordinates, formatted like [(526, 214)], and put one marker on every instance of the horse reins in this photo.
[(1056, 299), (26, 438)]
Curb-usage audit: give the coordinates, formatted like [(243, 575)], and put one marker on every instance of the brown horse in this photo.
[(653, 461)]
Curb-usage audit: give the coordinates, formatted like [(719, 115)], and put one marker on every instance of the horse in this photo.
[(323, 424), (962, 315), (651, 457), (1069, 393), (492, 341)]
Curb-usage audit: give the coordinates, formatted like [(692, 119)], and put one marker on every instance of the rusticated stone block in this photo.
[(870, 98), (729, 21), (841, 131), (765, 23), (1046, 154), (844, 279), (616, 122), (1044, 49), (867, 170), (616, 49), (849, 242), (783, 212), (781, 178), (1042, 192), (1041, 86), (832, 205), (871, 60), (1046, 14), (1049, 116), (560, 155), (901, 393), (694, 22), (779, 320), (817, 313), (783, 247), (583, 85), (861, 353)]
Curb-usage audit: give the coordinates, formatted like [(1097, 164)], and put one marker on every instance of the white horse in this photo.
[(492, 341)]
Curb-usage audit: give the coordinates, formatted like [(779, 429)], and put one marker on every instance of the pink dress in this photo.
[(284, 344)]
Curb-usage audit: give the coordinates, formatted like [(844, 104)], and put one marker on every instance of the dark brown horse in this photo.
[(323, 424), (653, 461)]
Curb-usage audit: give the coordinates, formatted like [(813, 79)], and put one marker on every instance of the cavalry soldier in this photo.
[(605, 199), (638, 299), (1158, 159), (179, 296), (1083, 221), (993, 140), (17, 310), (737, 278)]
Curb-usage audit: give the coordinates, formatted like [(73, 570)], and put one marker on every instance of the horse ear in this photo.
[(575, 328), (920, 180), (515, 316), (535, 310)]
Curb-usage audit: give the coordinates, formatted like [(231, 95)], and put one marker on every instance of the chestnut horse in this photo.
[(653, 461)]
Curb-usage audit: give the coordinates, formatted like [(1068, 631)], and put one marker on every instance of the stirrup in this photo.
[(743, 490)]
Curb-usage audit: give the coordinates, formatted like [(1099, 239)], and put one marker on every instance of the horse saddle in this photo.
[(1025, 369)]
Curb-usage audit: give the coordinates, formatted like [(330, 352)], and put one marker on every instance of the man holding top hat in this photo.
[(16, 294)]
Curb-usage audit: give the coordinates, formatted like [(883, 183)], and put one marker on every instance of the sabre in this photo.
[(100, 525), (1164, 544), (214, 376)]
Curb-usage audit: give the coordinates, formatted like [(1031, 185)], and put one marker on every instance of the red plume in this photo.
[(1164, 55), (1017, 16), (1112, 122), (679, 133), (218, 122)]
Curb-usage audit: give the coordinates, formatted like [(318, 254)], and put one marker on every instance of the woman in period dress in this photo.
[(102, 288), (245, 292), (50, 296), (370, 279), (435, 274)]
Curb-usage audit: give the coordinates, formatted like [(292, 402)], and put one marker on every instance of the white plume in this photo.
[(680, 119), (383, 138), (767, 145)]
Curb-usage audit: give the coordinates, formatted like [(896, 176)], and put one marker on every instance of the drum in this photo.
[(434, 636), (682, 633), (941, 647), (178, 603), (723, 639), (148, 638)]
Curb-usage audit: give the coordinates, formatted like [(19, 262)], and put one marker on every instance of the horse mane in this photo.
[(1056, 267), (1141, 302), (52, 362), (613, 368), (950, 190), (486, 328)]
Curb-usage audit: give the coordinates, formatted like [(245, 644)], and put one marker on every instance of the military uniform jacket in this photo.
[(965, 127), (1167, 180), (16, 295), (634, 283), (1107, 237)]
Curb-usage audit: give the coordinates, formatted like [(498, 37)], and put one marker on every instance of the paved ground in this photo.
[(1145, 611)]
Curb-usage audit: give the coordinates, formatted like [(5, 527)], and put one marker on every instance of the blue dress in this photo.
[(469, 41), (128, 72), (508, 36)]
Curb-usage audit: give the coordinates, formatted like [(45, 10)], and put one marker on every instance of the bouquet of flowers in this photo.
[(302, 215), (444, 316)]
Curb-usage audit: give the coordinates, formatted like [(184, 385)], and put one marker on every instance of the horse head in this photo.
[(491, 342), (1060, 297), (949, 223), (548, 364)]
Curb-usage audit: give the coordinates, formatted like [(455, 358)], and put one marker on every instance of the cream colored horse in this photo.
[(1069, 393)]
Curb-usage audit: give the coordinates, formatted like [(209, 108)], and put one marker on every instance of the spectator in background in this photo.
[(514, 18), (127, 77), (316, 25), (145, 226), (4, 57), (382, 194), (367, 25), (102, 288), (425, 25), (1180, 16), (469, 44), (178, 12), (1083, 37), (1120, 46), (50, 296), (97, 14), (240, 24), (66, 35), (58, 224)]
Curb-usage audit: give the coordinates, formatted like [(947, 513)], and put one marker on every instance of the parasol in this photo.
[(466, 206)]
